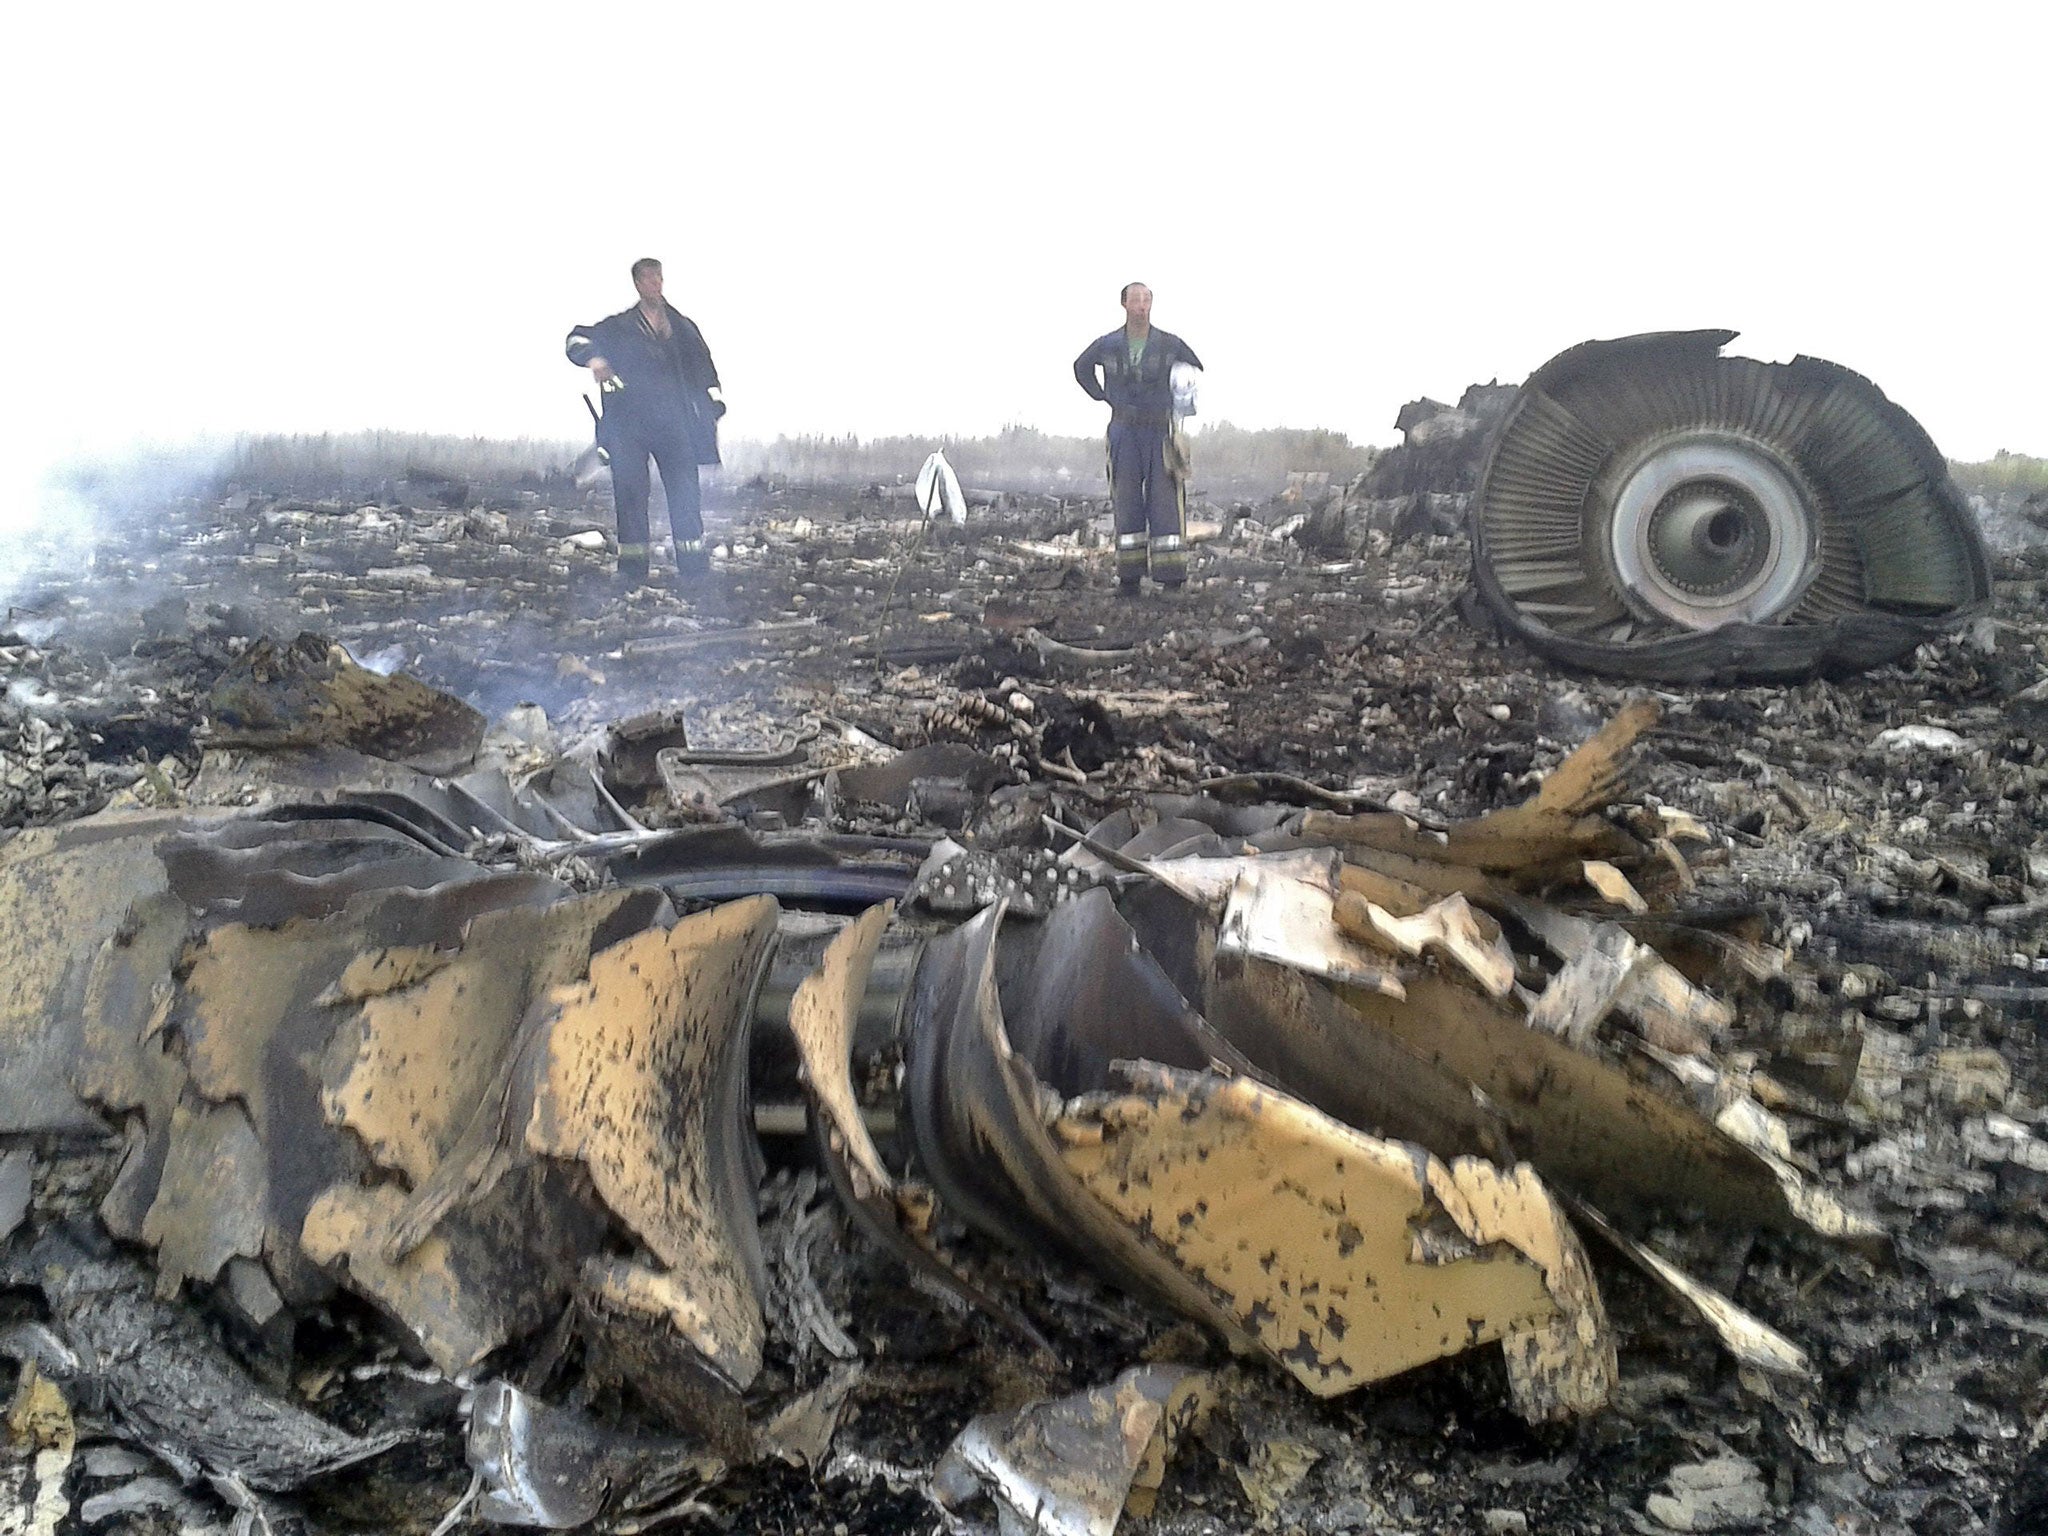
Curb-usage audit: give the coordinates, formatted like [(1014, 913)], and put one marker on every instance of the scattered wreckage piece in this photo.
[(794, 1223), (1562, 820), (1652, 509), (1281, 908), (172, 1384), (1614, 886), (254, 1031), (17, 1188), (145, 1496), (675, 645), (1450, 927), (1723, 1493), (651, 753), (1748, 1339), (957, 881), (566, 814), (1666, 1009), (1347, 1257), (312, 693), (728, 862), (66, 892), (1140, 980), (1547, 839), (801, 1431), (1585, 990), (908, 775), (823, 1015), (469, 1287), (477, 1038), (736, 790), (1448, 1058), (1072, 1466), (1093, 1168), (978, 1120), (643, 1081), (1543, 842), (630, 756), (1288, 1028), (1743, 1119), (636, 1075), (436, 1025), (539, 1465), (1621, 1140), (214, 1162), (38, 1422)]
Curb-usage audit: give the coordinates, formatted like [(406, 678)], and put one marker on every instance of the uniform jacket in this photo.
[(665, 380), (1143, 394)]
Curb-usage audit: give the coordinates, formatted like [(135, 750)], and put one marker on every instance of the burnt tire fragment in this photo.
[(1652, 509)]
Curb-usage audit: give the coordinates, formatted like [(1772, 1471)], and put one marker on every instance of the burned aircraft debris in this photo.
[(1348, 1259), (823, 1016), (373, 1053), (171, 1383), (539, 1465), (312, 693), (1655, 510), (1072, 1467)]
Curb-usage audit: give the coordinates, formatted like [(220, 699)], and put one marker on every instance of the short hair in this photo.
[(642, 265), (1124, 293)]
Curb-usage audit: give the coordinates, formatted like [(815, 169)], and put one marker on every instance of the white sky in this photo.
[(910, 218)]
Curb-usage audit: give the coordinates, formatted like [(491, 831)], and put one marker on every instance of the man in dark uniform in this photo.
[(661, 400), (1132, 369)]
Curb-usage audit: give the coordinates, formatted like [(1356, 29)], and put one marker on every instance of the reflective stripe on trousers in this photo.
[(1169, 559), (1130, 555)]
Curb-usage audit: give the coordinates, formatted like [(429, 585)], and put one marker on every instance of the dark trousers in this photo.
[(1151, 506), (672, 453)]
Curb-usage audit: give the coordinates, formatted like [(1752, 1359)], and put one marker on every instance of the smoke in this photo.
[(46, 526), (60, 520), (392, 658)]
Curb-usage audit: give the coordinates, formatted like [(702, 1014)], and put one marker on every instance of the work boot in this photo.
[(1127, 587), (693, 567)]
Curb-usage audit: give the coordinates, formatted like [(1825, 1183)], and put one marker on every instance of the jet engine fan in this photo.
[(1653, 509)]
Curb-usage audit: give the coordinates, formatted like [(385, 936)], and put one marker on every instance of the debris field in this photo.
[(900, 1038)]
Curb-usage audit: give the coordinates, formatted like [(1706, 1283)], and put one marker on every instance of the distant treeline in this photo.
[(2002, 472), (1229, 461), (332, 462)]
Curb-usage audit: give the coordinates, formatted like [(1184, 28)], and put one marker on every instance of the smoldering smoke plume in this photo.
[(57, 517)]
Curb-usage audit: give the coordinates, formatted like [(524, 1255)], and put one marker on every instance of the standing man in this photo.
[(1132, 369), (661, 400)]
